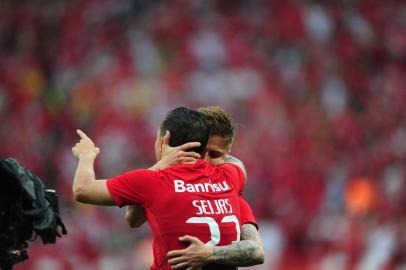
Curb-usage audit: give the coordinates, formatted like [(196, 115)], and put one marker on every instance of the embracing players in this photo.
[(247, 252), (197, 198)]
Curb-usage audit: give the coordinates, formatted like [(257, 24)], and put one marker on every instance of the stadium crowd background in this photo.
[(318, 89)]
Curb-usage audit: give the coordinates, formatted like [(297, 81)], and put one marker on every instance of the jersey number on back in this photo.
[(214, 227)]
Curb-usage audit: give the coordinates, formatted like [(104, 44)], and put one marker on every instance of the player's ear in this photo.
[(166, 138), (161, 143)]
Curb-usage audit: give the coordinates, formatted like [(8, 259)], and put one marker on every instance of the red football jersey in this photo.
[(199, 199)]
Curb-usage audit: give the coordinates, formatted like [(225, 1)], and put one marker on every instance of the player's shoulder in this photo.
[(233, 173), (231, 167)]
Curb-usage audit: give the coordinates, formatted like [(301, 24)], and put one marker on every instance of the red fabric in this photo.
[(184, 200)]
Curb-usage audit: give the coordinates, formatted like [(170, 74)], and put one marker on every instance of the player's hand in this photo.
[(194, 257), (85, 147), (176, 155)]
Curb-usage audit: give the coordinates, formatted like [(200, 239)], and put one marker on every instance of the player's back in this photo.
[(198, 199)]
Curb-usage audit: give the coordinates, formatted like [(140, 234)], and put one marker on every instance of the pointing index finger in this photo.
[(82, 134)]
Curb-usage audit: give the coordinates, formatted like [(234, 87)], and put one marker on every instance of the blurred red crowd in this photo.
[(317, 88)]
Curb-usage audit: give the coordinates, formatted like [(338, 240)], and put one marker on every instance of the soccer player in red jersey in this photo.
[(244, 253), (248, 252), (197, 199)]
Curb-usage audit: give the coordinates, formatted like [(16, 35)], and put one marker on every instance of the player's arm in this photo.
[(134, 214), (86, 188), (247, 252)]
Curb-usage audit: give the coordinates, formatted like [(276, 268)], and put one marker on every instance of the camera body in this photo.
[(27, 210)]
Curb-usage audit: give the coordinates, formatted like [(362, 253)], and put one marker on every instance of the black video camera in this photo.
[(27, 210)]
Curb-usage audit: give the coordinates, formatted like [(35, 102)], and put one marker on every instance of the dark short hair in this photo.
[(186, 125)]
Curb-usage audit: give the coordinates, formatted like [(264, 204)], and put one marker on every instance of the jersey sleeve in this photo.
[(246, 212), (135, 187), (237, 175)]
